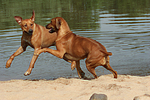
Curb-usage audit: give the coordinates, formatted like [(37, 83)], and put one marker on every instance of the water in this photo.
[(123, 27)]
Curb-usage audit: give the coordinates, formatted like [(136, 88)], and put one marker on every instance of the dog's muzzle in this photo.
[(51, 30), (29, 32)]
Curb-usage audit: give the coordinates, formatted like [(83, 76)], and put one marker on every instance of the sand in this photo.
[(126, 87)]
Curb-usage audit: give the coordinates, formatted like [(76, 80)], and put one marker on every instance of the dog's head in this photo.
[(27, 25), (54, 25)]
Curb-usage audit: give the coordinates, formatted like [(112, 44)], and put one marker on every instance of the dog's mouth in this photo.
[(29, 32), (51, 30)]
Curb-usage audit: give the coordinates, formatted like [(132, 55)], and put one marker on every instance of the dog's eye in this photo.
[(25, 25), (31, 24)]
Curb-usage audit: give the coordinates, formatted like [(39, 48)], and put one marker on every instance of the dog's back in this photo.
[(81, 47)]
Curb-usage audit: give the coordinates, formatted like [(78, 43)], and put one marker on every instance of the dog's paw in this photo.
[(73, 65), (7, 66), (8, 63), (27, 73)]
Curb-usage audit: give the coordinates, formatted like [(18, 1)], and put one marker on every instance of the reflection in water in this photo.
[(123, 27)]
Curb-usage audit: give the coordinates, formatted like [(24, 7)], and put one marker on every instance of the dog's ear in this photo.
[(58, 23), (18, 19), (33, 16)]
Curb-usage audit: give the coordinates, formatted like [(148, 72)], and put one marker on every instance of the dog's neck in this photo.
[(59, 37), (63, 30)]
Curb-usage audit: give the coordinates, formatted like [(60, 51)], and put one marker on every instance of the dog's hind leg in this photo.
[(91, 68), (108, 67), (73, 65), (105, 63)]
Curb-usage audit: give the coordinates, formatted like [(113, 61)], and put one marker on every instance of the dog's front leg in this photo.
[(57, 53), (81, 74), (33, 60), (20, 50)]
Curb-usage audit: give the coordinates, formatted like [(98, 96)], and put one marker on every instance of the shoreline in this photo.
[(125, 87)]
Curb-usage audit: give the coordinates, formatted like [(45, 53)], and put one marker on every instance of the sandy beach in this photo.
[(126, 87)]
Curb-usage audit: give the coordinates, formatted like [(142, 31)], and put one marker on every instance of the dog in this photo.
[(36, 36), (75, 48)]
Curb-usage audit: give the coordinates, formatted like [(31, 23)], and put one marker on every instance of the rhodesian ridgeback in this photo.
[(34, 35), (75, 48)]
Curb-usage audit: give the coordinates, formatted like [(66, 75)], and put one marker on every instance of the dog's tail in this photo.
[(107, 53)]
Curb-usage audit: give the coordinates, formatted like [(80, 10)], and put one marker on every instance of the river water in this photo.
[(123, 27)]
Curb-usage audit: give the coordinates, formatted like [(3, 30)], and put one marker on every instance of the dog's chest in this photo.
[(28, 41)]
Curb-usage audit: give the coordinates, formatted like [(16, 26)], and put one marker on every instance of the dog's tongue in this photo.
[(50, 30)]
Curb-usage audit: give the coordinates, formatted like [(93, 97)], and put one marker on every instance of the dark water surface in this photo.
[(122, 26)]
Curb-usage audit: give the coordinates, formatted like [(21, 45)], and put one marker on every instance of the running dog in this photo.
[(75, 48)]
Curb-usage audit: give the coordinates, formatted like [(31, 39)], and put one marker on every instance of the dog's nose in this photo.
[(46, 26), (30, 31)]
